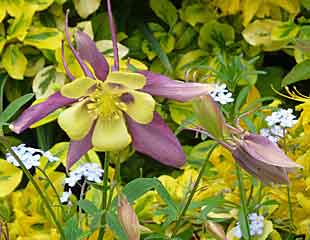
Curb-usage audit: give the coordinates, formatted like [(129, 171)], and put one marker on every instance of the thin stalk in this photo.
[(104, 194), (243, 201), (53, 188), (290, 208), (118, 174), (193, 191), (81, 197), (41, 194), (113, 36)]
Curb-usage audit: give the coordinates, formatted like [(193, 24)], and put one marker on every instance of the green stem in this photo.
[(104, 194), (243, 201), (38, 189), (290, 208), (118, 174), (53, 188), (193, 191)]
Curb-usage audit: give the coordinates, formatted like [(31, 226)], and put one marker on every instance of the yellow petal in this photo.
[(77, 88), (111, 135), (130, 80), (76, 121), (141, 107)]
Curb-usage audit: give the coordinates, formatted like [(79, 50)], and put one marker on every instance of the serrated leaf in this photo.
[(10, 177), (14, 106), (165, 10), (44, 38), (14, 61), (86, 7), (300, 72)]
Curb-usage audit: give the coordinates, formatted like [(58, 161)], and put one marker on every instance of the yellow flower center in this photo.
[(105, 102)]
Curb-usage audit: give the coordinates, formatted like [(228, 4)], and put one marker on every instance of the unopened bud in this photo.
[(128, 219), (210, 116), (216, 230)]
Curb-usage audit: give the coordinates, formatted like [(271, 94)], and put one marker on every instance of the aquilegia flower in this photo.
[(255, 153), (109, 110)]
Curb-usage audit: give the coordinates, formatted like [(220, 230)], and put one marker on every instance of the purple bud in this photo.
[(128, 219)]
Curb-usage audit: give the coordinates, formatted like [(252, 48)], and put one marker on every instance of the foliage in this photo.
[(259, 49)]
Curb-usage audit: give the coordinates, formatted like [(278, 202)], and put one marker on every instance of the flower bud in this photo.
[(210, 116), (263, 159), (128, 219), (216, 230)]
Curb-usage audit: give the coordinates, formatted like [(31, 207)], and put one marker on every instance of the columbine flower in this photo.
[(256, 226), (109, 110), (255, 153), (221, 94), (29, 156)]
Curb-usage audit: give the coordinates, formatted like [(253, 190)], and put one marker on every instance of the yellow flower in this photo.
[(102, 105)]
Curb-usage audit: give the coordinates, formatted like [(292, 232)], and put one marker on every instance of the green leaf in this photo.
[(86, 7), (241, 98), (243, 225), (155, 46), (3, 79), (284, 31), (14, 61), (140, 186), (19, 26), (44, 38), (14, 106), (88, 207), (116, 227), (10, 177), (72, 230), (215, 34), (197, 13), (300, 72), (165, 10), (46, 81)]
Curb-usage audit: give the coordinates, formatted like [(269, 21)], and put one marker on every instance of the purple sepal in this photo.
[(157, 141), (88, 51), (84, 67), (64, 62), (160, 85), (36, 112), (78, 148)]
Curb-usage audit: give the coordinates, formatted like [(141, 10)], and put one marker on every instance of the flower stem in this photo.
[(53, 188), (104, 194), (114, 39), (290, 208), (38, 189), (193, 191), (243, 202)]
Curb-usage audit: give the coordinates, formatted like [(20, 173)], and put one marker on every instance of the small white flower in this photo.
[(90, 171), (237, 231), (65, 196), (50, 157), (221, 94), (29, 156), (256, 226)]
